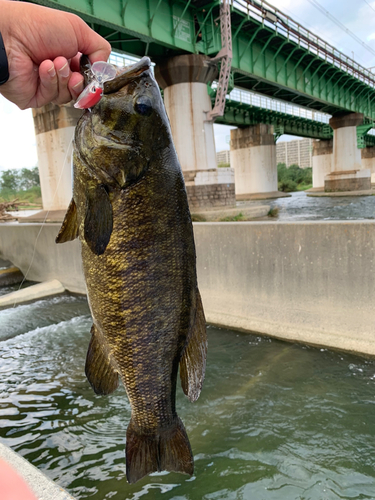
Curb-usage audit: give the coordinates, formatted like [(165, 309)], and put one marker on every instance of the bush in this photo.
[(293, 178), (287, 186)]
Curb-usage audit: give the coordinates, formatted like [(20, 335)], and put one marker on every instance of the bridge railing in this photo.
[(287, 27), (259, 101)]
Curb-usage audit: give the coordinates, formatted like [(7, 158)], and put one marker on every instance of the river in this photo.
[(300, 207), (275, 421)]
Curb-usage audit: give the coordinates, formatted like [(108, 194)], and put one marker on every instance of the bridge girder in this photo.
[(265, 57)]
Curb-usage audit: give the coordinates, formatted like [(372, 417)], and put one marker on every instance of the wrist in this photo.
[(4, 67)]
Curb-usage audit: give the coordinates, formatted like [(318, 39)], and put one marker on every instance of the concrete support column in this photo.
[(368, 161), (54, 129), (321, 161), (184, 82), (253, 157), (347, 173)]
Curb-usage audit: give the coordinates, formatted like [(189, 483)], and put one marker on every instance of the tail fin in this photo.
[(166, 450)]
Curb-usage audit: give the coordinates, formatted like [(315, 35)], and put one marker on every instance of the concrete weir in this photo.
[(309, 282)]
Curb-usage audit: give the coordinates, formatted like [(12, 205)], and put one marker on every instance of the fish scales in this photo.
[(131, 214)]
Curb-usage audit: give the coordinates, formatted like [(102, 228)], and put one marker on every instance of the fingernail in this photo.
[(52, 71), (64, 71), (78, 87)]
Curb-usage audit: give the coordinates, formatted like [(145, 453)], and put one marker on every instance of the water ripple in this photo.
[(274, 421)]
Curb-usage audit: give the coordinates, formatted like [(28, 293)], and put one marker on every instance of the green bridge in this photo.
[(283, 80), (272, 54), (244, 108)]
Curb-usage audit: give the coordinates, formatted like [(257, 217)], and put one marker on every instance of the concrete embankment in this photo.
[(35, 481), (311, 282)]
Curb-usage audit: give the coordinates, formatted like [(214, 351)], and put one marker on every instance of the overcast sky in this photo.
[(17, 140)]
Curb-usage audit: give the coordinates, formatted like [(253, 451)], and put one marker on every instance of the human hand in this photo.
[(43, 47)]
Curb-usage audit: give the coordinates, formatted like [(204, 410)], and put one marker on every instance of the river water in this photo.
[(300, 207), (275, 421)]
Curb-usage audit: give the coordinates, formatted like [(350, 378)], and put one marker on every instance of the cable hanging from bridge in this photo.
[(317, 5)]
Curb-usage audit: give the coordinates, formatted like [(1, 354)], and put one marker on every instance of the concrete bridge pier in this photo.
[(54, 130), (368, 161), (347, 173), (321, 161), (184, 82), (253, 157)]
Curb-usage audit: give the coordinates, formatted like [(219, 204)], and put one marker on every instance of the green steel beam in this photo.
[(268, 56), (242, 115)]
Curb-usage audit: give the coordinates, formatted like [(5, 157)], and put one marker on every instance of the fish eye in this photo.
[(143, 106)]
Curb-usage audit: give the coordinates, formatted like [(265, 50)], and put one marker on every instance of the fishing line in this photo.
[(68, 149)]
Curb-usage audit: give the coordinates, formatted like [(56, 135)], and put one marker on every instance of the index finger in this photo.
[(89, 42)]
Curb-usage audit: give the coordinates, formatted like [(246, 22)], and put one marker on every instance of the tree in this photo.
[(29, 178), (9, 180)]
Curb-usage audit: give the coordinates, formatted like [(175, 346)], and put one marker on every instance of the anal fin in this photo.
[(104, 379), (193, 361), (69, 227)]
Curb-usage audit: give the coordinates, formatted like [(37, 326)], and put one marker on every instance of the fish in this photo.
[(131, 214)]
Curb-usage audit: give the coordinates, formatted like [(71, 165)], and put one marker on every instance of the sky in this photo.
[(17, 139)]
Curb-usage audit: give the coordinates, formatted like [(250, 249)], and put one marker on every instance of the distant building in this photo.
[(223, 156), (297, 152)]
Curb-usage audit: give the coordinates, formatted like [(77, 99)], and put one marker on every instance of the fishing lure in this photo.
[(92, 93)]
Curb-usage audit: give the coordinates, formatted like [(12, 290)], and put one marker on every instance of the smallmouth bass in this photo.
[(130, 211)]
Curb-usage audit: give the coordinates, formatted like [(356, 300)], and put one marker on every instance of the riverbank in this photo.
[(310, 282)]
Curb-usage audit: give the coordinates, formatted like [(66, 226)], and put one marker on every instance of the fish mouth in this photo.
[(103, 137), (111, 141), (127, 75)]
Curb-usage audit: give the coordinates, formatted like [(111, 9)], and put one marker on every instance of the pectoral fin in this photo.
[(100, 373), (69, 227), (98, 219), (193, 361)]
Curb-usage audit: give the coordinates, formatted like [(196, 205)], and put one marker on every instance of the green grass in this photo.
[(234, 218), (197, 218), (303, 187)]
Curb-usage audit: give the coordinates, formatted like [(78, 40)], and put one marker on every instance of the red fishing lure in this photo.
[(92, 93)]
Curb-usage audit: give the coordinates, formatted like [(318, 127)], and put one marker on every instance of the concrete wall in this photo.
[(37, 254), (311, 282)]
